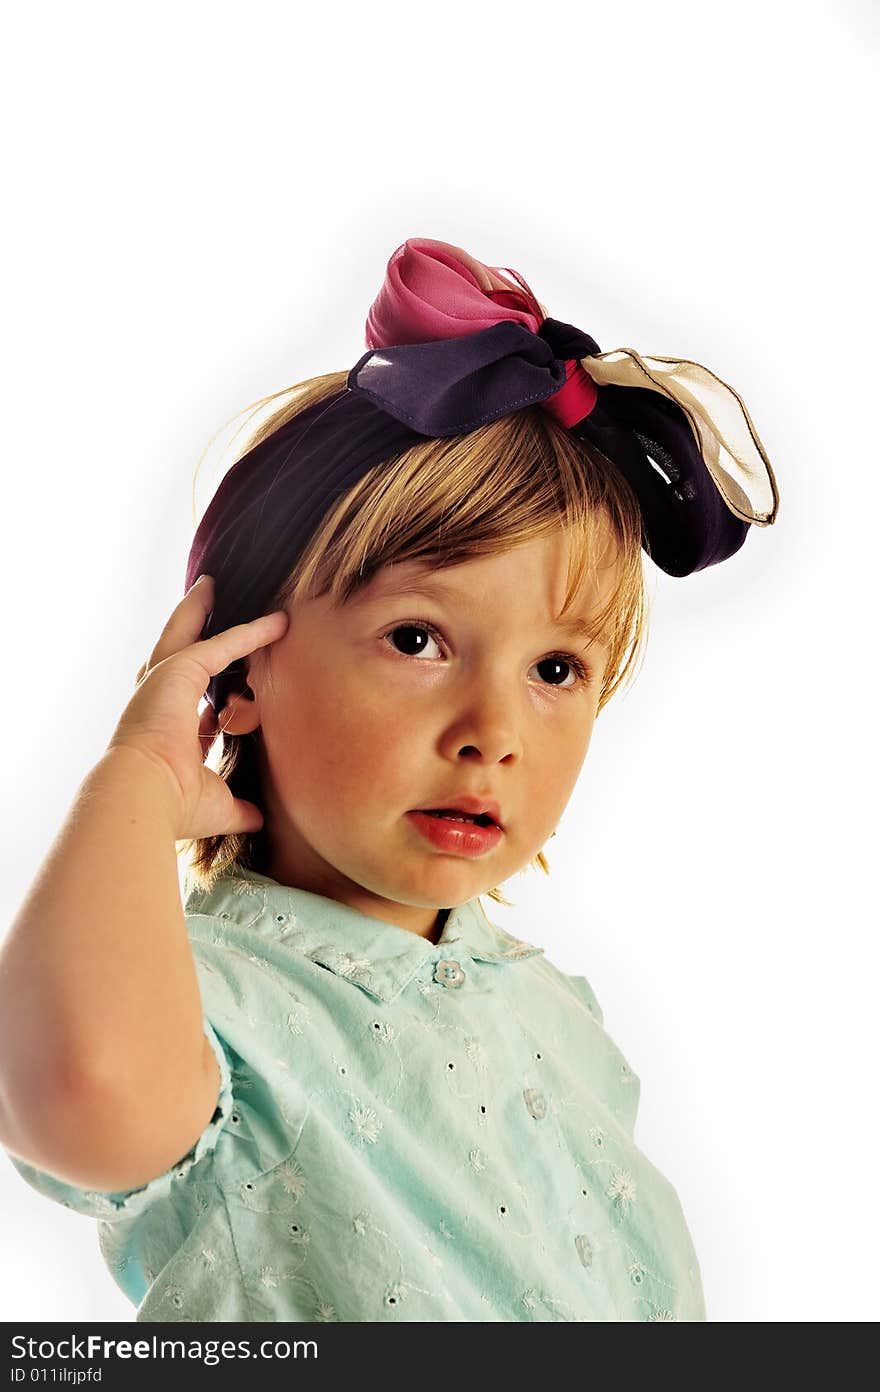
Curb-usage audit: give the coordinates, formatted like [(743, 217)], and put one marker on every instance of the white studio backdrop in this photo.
[(201, 201)]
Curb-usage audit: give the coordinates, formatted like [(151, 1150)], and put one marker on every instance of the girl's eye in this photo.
[(414, 632), (575, 665), (413, 645)]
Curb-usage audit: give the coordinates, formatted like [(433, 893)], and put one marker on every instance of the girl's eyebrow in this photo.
[(445, 591)]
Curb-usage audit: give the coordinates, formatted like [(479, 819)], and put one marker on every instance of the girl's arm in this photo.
[(106, 1077)]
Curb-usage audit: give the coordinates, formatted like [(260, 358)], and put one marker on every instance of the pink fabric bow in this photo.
[(433, 290)]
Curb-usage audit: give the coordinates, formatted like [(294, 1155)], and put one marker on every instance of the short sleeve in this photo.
[(620, 1085), (127, 1203), (584, 992)]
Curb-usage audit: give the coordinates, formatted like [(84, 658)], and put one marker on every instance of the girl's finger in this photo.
[(200, 662), (187, 620), (246, 816), (214, 654)]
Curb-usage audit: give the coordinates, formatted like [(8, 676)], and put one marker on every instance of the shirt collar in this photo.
[(378, 957)]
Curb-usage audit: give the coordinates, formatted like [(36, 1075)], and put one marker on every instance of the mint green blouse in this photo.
[(406, 1130)]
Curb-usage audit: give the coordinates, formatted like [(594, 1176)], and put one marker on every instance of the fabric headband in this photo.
[(452, 346)]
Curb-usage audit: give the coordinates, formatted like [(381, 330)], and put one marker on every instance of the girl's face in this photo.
[(427, 685)]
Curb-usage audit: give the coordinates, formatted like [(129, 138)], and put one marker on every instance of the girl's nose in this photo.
[(484, 730)]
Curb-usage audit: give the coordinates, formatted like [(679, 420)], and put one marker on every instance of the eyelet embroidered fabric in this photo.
[(405, 1130)]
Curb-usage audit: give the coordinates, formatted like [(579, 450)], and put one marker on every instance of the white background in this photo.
[(201, 202)]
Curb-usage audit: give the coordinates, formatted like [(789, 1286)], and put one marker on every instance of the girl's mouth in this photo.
[(457, 833)]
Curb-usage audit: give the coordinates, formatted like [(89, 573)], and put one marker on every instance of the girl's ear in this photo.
[(241, 712), (240, 715)]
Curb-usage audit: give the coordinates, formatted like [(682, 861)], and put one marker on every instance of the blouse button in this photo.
[(584, 1249), (448, 973), (536, 1103)]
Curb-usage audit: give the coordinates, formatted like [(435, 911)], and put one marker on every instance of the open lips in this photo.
[(481, 819), (466, 807)]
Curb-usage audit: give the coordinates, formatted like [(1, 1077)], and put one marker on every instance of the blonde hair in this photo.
[(451, 500)]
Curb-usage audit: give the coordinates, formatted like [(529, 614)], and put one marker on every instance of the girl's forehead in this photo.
[(531, 586)]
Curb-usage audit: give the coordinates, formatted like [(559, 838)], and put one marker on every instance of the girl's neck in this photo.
[(442, 915)]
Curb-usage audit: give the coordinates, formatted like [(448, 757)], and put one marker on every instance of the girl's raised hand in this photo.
[(162, 721)]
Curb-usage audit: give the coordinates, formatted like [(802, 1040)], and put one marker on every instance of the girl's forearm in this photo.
[(98, 987)]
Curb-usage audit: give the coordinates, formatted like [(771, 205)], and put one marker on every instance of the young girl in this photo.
[(331, 1088)]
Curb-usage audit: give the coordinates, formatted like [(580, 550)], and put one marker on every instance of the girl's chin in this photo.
[(442, 881)]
